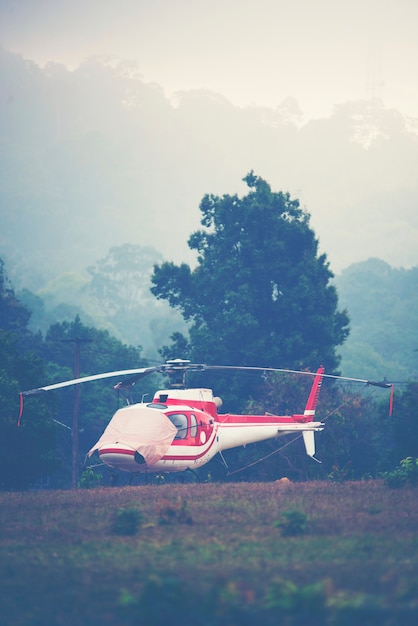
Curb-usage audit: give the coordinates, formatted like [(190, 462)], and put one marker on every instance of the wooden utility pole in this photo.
[(75, 429)]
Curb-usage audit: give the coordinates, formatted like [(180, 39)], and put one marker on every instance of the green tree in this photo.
[(14, 316), (405, 423), (260, 294), (27, 452), (99, 352)]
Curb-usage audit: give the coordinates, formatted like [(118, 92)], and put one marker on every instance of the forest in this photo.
[(296, 301)]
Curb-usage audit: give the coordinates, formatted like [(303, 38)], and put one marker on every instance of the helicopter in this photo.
[(182, 428)]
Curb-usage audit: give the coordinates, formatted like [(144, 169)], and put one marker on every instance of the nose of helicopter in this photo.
[(136, 438), (122, 457)]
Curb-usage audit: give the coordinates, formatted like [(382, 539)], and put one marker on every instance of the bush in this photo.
[(174, 513), (292, 523), (89, 479), (405, 474), (127, 522)]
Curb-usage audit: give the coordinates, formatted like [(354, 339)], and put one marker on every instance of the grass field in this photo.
[(210, 554)]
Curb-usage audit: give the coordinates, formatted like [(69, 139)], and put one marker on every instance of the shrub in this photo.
[(292, 523), (405, 474), (297, 605), (340, 474), (89, 479), (127, 522), (170, 513)]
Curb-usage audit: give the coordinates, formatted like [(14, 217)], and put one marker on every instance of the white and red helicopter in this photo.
[(181, 429)]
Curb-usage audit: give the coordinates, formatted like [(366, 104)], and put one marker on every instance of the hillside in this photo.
[(382, 302)]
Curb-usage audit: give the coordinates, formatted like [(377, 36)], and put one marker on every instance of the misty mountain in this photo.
[(382, 302), (96, 158), (114, 294)]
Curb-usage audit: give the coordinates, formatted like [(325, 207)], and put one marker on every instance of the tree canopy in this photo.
[(43, 441), (260, 294), (28, 452), (360, 440)]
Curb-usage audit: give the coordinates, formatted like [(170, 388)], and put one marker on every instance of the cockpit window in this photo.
[(180, 422)]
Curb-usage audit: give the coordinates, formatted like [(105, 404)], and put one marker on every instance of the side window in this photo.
[(180, 422), (193, 426)]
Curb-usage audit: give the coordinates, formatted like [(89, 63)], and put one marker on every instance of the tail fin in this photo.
[(313, 396), (309, 414)]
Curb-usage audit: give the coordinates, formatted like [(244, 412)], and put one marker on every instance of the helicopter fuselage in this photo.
[(181, 429)]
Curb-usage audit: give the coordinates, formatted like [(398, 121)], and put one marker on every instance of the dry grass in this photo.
[(62, 563)]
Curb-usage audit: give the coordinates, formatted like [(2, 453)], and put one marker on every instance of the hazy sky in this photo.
[(322, 52)]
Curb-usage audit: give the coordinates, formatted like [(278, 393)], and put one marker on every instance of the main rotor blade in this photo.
[(87, 379), (182, 365), (384, 384)]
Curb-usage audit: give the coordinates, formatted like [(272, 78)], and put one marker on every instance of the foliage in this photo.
[(228, 601), (44, 438), (382, 302), (97, 352), (121, 280), (120, 289), (406, 474), (295, 604), (405, 422), (178, 512), (89, 479), (360, 440), (355, 443), (340, 474), (127, 521), (292, 523), (14, 316), (260, 293), (28, 452), (113, 295)]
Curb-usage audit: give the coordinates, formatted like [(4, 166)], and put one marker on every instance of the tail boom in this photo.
[(237, 430)]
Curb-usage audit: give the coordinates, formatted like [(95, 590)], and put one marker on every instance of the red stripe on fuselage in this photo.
[(191, 457), (257, 420), (116, 451)]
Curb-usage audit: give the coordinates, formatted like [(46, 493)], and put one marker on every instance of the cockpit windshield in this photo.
[(180, 422)]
